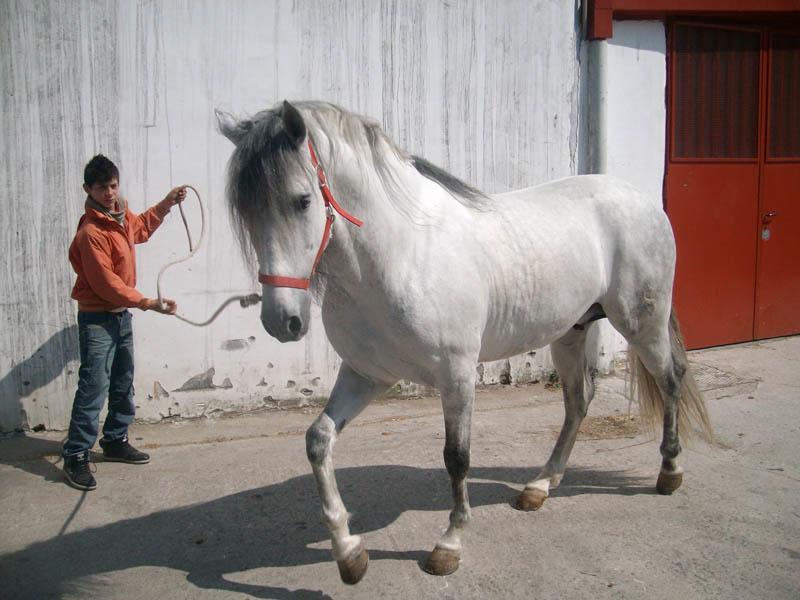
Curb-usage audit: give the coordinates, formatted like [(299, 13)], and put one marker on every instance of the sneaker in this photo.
[(122, 451), (78, 473)]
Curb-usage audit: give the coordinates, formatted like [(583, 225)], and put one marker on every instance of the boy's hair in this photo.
[(100, 170)]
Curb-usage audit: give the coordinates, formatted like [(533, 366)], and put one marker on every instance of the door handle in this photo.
[(768, 217)]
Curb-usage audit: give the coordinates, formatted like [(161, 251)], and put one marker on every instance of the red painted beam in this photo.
[(601, 13)]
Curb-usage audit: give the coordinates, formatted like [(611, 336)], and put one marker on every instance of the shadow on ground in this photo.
[(272, 526), (34, 455)]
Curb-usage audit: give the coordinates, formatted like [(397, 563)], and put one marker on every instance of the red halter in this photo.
[(330, 206)]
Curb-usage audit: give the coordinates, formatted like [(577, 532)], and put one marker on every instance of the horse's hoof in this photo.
[(668, 482), (531, 499), (352, 569), (442, 561)]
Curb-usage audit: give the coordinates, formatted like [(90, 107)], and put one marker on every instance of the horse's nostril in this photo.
[(294, 325)]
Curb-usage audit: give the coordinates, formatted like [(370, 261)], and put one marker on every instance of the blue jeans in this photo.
[(106, 347)]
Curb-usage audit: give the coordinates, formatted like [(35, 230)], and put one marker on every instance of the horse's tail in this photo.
[(693, 421)]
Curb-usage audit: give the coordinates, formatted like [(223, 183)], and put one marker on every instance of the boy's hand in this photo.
[(174, 196), (169, 307)]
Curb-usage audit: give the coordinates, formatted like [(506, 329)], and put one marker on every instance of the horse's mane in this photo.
[(461, 191), (264, 151)]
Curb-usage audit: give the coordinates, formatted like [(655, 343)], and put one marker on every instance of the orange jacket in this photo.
[(103, 257)]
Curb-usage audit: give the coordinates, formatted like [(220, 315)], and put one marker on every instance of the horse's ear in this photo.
[(232, 128), (293, 123)]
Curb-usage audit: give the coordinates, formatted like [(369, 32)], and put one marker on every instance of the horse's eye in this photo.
[(303, 202)]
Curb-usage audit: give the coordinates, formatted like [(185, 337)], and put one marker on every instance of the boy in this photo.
[(102, 256)]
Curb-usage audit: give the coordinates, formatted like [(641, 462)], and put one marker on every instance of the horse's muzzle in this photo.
[(285, 312), (287, 328)]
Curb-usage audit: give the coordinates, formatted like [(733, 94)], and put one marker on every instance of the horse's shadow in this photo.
[(272, 526)]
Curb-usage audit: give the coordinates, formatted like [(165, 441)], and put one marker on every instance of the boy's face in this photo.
[(105, 194)]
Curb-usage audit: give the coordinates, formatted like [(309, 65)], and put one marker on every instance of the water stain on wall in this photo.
[(236, 344)]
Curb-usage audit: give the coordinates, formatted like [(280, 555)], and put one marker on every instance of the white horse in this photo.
[(441, 277)]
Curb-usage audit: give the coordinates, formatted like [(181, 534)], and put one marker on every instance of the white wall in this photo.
[(637, 79), (636, 120), (488, 91)]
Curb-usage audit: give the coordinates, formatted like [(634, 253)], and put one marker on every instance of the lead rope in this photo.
[(244, 300)]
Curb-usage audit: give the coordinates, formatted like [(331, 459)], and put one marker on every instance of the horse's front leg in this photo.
[(457, 400), (350, 395)]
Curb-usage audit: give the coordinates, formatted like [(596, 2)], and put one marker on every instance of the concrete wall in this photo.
[(636, 119), (637, 79), (487, 90)]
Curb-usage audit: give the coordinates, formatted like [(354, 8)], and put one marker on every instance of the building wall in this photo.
[(490, 92), (636, 81), (637, 104)]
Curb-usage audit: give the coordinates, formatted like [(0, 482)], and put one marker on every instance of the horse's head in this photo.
[(277, 210)]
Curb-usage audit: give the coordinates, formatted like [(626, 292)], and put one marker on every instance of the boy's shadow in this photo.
[(56, 357), (272, 526)]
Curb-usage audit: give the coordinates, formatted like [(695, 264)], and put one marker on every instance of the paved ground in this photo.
[(227, 508)]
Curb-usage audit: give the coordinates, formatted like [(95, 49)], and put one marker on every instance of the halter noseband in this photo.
[(330, 206)]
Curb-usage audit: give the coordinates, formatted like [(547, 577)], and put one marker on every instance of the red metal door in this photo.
[(711, 186), (778, 276), (732, 181)]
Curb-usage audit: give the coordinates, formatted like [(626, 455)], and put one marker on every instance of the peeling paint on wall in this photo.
[(158, 391), (201, 381)]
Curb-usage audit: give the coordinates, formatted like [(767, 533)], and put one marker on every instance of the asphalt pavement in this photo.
[(227, 508)]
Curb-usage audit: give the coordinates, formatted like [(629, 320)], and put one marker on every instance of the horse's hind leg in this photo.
[(658, 377), (350, 395), (660, 370), (569, 358), (458, 395)]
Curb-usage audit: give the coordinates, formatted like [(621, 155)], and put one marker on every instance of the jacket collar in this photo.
[(95, 213)]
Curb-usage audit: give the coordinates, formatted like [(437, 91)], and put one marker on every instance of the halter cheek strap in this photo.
[(330, 206)]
